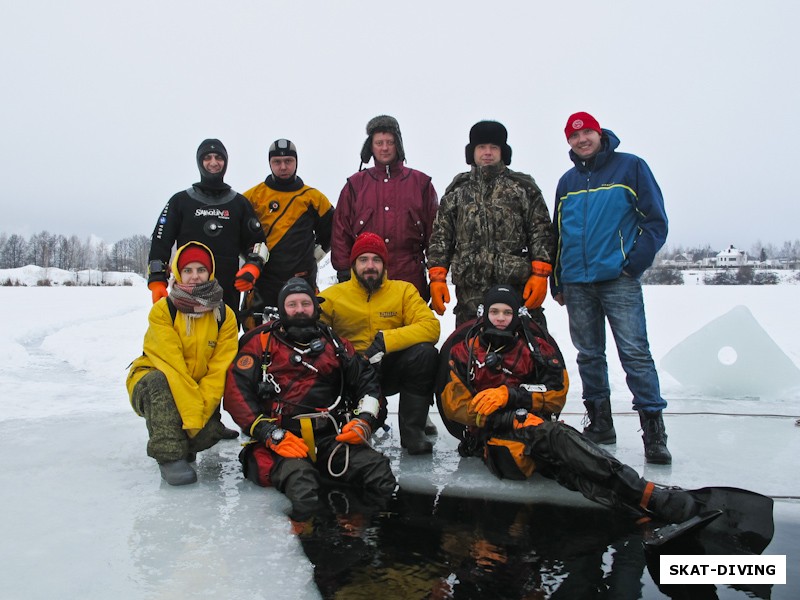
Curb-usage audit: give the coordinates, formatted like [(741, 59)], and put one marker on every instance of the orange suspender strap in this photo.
[(264, 338)]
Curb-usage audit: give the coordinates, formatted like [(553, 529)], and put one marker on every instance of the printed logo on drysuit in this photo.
[(212, 212), (245, 362), (388, 315)]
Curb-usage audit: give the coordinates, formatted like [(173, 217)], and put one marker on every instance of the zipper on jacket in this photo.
[(388, 174), (585, 224)]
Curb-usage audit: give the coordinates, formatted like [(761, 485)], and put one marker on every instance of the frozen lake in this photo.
[(86, 515)]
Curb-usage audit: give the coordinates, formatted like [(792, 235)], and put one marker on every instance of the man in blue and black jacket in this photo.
[(609, 222)]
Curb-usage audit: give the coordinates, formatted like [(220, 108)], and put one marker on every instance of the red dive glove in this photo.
[(158, 289), (246, 277), (355, 432), (536, 286), (440, 295), (489, 400), (290, 446)]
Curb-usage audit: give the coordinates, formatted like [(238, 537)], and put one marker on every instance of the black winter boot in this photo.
[(412, 416), (430, 428), (601, 426), (228, 434), (654, 435), (177, 472)]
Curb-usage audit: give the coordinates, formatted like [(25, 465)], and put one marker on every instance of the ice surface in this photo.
[(733, 356), (85, 514)]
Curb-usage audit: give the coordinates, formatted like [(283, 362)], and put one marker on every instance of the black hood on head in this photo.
[(502, 294), (212, 181)]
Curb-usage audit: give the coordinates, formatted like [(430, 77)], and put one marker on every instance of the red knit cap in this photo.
[(369, 242), (192, 254), (581, 120)]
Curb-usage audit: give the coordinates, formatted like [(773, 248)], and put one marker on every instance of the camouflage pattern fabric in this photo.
[(168, 441), (491, 223)]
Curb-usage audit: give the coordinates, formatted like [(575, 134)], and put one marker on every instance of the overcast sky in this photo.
[(104, 103)]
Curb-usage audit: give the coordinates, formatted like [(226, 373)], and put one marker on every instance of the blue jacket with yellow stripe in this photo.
[(609, 216)]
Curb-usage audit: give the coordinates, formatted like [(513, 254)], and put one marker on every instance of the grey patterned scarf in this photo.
[(195, 300)]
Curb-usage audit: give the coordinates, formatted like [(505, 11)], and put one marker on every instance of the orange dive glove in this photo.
[(246, 277), (158, 289), (489, 400), (530, 421), (440, 295), (356, 431), (290, 446), (536, 286)]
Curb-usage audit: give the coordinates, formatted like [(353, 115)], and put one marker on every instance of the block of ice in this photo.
[(732, 356)]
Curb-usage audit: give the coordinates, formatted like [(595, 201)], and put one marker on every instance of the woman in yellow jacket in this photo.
[(177, 383)]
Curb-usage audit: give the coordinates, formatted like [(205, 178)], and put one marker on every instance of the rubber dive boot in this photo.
[(412, 414), (671, 505), (654, 435), (177, 472), (601, 425)]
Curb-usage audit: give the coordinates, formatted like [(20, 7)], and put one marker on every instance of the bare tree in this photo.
[(15, 251), (99, 256), (140, 250), (41, 249)]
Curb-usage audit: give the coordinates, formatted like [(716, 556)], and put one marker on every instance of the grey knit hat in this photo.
[(383, 124)]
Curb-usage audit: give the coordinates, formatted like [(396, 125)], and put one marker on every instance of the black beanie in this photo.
[(212, 180), (488, 132), (504, 294), (296, 285), (383, 124)]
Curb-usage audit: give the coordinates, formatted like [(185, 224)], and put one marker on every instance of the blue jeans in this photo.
[(620, 301)]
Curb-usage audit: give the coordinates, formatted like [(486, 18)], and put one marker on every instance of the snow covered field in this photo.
[(85, 514)]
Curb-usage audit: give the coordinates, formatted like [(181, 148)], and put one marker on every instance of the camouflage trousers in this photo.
[(168, 440)]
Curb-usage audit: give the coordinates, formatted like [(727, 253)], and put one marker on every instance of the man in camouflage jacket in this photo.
[(492, 227)]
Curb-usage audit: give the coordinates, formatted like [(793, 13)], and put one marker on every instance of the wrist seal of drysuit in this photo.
[(368, 408), (262, 429), (157, 271), (259, 256)]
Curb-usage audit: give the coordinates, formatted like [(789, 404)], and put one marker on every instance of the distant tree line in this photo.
[(45, 249), (789, 252)]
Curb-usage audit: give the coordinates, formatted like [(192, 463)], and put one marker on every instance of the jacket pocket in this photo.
[(363, 222)]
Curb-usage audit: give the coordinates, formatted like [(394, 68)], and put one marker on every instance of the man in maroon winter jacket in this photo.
[(397, 203)]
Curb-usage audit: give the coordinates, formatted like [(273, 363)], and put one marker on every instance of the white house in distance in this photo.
[(731, 257)]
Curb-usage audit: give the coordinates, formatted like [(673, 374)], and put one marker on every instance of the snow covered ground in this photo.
[(85, 514)]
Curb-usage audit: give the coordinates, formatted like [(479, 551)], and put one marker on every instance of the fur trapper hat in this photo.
[(488, 132), (383, 124)]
